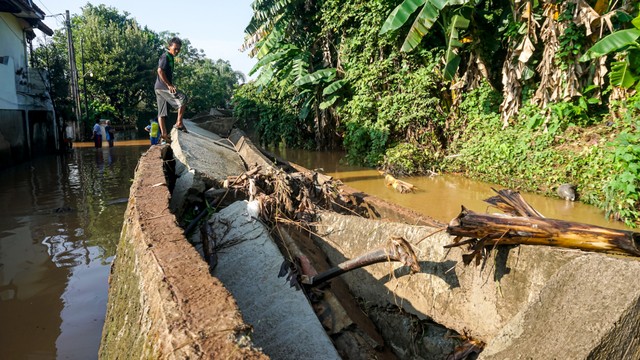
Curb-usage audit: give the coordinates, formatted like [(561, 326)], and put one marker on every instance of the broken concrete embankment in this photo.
[(527, 302), (163, 304)]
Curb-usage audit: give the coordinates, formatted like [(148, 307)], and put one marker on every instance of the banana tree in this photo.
[(452, 16), (625, 72), (284, 36)]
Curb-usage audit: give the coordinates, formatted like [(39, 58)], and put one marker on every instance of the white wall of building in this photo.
[(11, 45)]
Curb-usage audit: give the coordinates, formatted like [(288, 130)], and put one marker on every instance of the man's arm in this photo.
[(164, 79)]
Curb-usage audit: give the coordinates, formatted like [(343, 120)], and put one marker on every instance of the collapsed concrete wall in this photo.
[(163, 304), (203, 160), (248, 262), (529, 302)]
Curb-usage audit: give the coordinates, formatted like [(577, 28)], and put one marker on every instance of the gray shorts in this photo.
[(164, 97)]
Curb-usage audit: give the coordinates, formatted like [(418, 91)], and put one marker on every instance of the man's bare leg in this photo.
[(163, 130), (179, 125), (180, 114)]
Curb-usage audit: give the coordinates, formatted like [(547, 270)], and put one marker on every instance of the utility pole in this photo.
[(84, 80), (74, 73)]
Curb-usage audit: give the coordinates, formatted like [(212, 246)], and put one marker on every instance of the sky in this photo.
[(215, 26)]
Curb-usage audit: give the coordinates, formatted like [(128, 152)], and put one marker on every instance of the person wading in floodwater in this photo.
[(166, 92), (96, 135), (110, 133)]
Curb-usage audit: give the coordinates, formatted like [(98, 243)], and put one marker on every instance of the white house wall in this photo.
[(11, 45), (8, 94), (28, 126)]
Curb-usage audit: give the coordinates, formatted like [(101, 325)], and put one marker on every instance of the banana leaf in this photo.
[(265, 77), (300, 65), (271, 40), (315, 77), (400, 15), (330, 101), (611, 43), (451, 58), (423, 23), (622, 75), (272, 57), (333, 87)]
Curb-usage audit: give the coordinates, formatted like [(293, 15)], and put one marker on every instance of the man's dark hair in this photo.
[(175, 40)]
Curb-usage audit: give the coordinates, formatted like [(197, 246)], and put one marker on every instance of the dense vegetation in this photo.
[(117, 60), (527, 94)]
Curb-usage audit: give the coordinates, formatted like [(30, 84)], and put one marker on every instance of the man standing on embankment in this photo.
[(166, 92)]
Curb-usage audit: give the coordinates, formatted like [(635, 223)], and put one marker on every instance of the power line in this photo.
[(44, 6), (57, 18)]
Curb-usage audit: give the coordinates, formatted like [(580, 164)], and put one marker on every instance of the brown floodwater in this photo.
[(60, 221), (440, 197)]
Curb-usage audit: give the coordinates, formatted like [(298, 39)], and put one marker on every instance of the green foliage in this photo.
[(451, 58), (272, 116), (410, 159), (400, 15), (526, 157), (51, 57), (292, 50), (404, 106), (624, 72), (387, 89), (453, 15), (571, 41), (558, 116), (120, 55), (623, 189), (423, 22), (366, 142), (207, 83), (612, 43), (483, 100)]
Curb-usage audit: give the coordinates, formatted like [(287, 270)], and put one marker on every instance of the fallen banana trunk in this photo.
[(398, 185), (521, 225)]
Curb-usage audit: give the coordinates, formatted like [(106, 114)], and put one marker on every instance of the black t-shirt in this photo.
[(166, 64)]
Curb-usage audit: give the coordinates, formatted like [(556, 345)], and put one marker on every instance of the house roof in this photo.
[(28, 11)]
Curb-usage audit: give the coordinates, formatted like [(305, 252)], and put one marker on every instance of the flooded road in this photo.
[(60, 221), (440, 197)]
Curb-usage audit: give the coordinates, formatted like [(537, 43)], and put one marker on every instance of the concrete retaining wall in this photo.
[(531, 302), (163, 304)]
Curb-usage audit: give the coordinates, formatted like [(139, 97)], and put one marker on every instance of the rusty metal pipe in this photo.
[(396, 249)]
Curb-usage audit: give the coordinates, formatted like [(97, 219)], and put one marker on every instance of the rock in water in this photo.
[(567, 192)]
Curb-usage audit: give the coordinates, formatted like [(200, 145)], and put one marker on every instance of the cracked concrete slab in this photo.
[(203, 160), (248, 261)]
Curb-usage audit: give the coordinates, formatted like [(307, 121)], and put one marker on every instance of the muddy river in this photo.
[(439, 197), (60, 220)]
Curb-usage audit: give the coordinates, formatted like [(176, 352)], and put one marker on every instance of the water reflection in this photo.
[(439, 197), (58, 236)]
